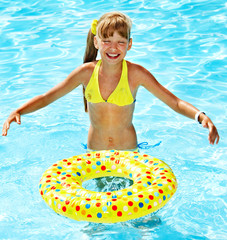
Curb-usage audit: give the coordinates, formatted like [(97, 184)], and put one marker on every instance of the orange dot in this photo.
[(88, 170), (83, 212), (135, 209)]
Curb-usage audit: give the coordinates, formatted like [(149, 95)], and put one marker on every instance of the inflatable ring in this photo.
[(153, 185)]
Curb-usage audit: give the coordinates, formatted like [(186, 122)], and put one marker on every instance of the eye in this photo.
[(122, 42), (106, 41)]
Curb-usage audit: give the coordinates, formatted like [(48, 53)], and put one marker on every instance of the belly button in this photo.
[(110, 139)]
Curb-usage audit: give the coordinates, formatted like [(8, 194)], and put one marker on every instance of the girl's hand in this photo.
[(213, 132), (13, 117)]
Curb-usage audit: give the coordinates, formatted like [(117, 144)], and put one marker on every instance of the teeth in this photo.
[(112, 55)]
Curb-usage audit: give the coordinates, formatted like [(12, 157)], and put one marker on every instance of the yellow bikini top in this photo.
[(121, 96)]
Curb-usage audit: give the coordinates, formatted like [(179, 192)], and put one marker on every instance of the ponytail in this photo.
[(89, 56)]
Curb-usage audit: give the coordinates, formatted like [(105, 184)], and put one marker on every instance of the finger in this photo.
[(5, 129), (18, 119)]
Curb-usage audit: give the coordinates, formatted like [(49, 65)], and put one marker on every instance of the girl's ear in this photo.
[(96, 42), (130, 44)]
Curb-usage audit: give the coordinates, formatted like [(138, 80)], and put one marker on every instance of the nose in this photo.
[(113, 46)]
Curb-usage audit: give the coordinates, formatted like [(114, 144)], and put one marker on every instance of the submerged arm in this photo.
[(41, 101), (152, 85)]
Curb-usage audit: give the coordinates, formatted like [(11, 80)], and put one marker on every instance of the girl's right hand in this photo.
[(13, 117)]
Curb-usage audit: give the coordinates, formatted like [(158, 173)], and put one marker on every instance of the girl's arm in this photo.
[(72, 81), (147, 80)]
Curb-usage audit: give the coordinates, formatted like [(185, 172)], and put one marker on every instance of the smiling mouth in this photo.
[(112, 56)]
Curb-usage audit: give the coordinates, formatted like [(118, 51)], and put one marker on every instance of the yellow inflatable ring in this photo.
[(153, 185)]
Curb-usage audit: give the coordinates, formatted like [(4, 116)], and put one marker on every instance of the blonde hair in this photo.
[(107, 24)]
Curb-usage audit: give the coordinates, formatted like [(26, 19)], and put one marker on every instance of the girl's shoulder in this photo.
[(137, 71), (84, 71)]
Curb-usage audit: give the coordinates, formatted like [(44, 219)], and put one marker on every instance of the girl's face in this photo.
[(113, 49)]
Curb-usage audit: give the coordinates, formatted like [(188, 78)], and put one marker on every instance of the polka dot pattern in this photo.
[(61, 186)]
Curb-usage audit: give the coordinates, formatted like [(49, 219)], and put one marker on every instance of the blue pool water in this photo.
[(183, 43)]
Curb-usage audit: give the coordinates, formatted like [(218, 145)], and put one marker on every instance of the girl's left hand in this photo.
[(213, 132)]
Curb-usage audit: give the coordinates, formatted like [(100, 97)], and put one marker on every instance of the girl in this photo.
[(110, 86)]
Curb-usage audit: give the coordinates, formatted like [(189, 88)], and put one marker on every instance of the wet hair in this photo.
[(106, 26)]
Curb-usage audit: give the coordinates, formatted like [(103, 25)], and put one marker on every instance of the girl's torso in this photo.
[(111, 125)]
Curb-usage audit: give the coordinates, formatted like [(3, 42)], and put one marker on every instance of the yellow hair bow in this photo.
[(93, 26)]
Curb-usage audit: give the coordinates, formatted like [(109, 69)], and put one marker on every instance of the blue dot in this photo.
[(98, 163), (114, 196), (93, 167), (78, 174), (130, 175), (99, 215), (47, 186), (156, 194), (109, 203), (129, 193), (155, 163), (58, 182), (104, 209), (149, 183), (160, 184), (63, 173), (140, 204), (59, 167), (164, 198), (57, 190), (40, 185), (87, 206), (146, 161), (146, 200)]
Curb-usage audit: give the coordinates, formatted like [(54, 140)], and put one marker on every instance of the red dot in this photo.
[(140, 196), (149, 207), (169, 180), (88, 162), (163, 177), (103, 168), (67, 202), (114, 207), (48, 181), (48, 176), (117, 161), (65, 160), (160, 190), (88, 199), (53, 188), (58, 172), (77, 208), (149, 177), (68, 175), (55, 165), (130, 203), (69, 163), (151, 197), (119, 214), (64, 209), (41, 192), (98, 204), (112, 158), (108, 193), (148, 172), (89, 216)]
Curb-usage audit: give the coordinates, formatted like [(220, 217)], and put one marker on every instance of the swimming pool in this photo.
[(183, 44)]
